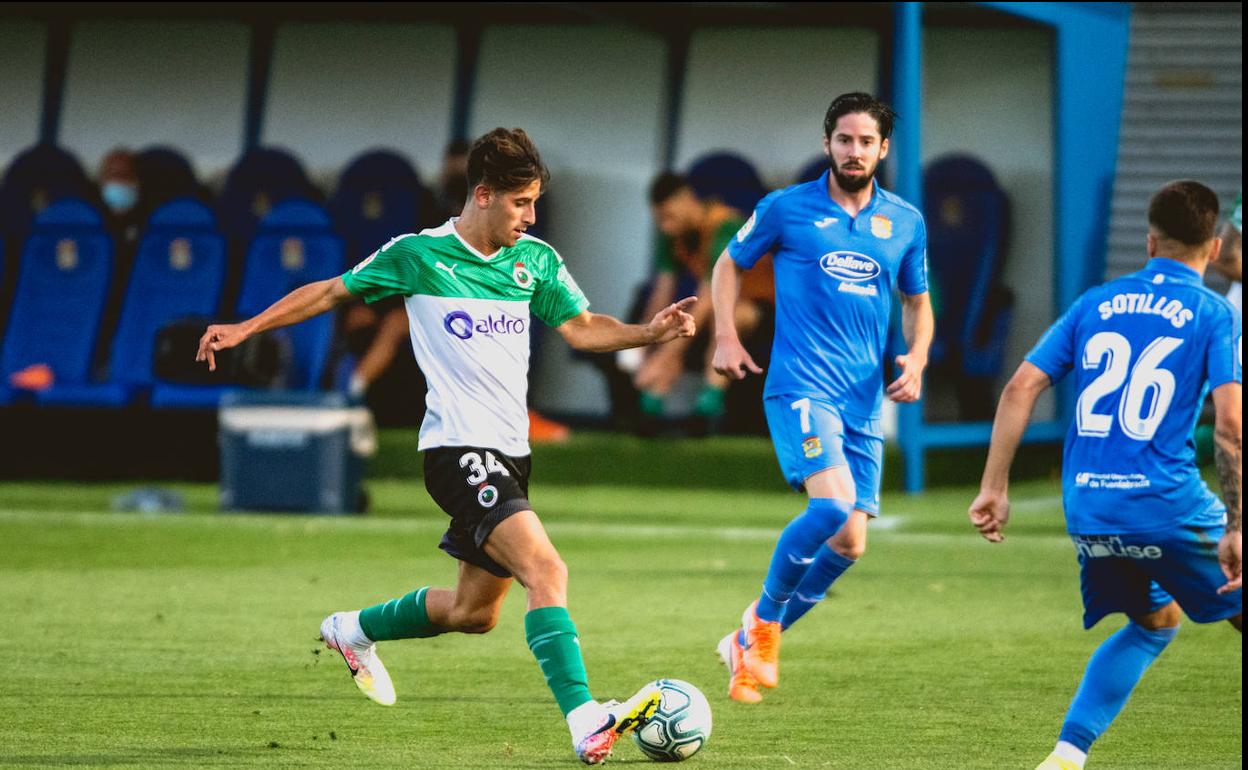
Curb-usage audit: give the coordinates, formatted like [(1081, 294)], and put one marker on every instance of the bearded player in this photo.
[(841, 246)]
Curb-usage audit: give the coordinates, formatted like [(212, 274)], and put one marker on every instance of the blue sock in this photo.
[(796, 549), (826, 568), (1112, 673)]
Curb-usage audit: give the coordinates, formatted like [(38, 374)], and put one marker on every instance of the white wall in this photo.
[(763, 92), (22, 45), (590, 97), (138, 83), (989, 93), (338, 89)]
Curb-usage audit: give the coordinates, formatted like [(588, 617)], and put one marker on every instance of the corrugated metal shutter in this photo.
[(1182, 114)]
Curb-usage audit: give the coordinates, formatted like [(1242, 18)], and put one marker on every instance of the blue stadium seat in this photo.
[(178, 272), (378, 197), (61, 289), (165, 175), (295, 244), (967, 216), (812, 170), (727, 177), (37, 177), (261, 179)]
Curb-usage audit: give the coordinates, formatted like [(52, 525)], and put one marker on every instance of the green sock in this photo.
[(552, 638), (651, 404), (710, 402), (402, 618)]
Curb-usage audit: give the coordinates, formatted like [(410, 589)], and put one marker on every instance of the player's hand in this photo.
[(219, 337), (989, 513), (659, 372), (672, 322), (1230, 558), (909, 386), (732, 360)]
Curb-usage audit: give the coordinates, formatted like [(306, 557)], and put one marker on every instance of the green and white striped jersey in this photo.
[(469, 319)]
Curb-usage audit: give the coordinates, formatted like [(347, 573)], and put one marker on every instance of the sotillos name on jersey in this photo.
[(1148, 304)]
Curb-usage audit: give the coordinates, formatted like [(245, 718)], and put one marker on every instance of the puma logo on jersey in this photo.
[(826, 222), (450, 269)]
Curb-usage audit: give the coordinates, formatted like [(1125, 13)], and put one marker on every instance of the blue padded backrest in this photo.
[(164, 174), (178, 272), (61, 290), (294, 245), (378, 197), (37, 177), (261, 179), (728, 177), (966, 213)]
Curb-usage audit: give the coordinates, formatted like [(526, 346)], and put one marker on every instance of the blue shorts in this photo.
[(1139, 574), (810, 436)]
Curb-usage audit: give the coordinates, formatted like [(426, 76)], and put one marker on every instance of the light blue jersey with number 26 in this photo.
[(1145, 350)]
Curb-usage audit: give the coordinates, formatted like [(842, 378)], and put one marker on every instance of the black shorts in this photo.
[(478, 488)]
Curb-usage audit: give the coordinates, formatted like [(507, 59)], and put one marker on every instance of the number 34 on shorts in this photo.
[(478, 472)]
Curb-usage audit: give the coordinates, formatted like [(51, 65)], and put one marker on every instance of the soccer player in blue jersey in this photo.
[(840, 246), (1148, 534)]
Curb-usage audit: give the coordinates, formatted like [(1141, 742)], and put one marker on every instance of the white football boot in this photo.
[(616, 719), (366, 668)]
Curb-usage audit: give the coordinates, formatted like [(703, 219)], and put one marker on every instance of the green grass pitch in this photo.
[(187, 640)]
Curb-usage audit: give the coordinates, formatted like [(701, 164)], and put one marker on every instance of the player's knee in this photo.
[(850, 547), (546, 573), (476, 620), (1169, 616)]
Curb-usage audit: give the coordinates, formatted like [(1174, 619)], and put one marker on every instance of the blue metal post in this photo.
[(907, 98)]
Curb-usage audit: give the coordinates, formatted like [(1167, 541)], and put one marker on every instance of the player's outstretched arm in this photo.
[(299, 305), (730, 359), (991, 509), (598, 333), (918, 324), (1228, 436)]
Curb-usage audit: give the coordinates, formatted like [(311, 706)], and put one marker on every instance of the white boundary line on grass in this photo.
[(893, 531)]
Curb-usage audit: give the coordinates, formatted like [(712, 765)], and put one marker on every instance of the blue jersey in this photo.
[(1145, 349), (835, 276)]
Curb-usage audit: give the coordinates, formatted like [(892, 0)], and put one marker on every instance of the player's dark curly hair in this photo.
[(505, 160), (665, 185), (1185, 211), (858, 101)]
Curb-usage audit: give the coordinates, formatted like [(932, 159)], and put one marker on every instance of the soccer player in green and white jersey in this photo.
[(469, 287)]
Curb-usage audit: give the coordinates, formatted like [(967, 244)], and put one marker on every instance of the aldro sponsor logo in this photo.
[(460, 324), (1112, 547)]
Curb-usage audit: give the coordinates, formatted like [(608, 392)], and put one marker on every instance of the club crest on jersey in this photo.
[(849, 266), (881, 226), (812, 447), (487, 495), (522, 276)]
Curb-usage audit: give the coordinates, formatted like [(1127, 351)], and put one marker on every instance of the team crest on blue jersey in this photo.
[(881, 226), (812, 447), (522, 276)]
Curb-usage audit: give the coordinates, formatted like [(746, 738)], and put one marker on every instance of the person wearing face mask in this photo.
[(119, 190)]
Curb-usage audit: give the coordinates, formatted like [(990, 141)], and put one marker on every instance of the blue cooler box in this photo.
[(287, 451)]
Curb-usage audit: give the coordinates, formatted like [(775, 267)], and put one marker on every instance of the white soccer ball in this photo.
[(680, 726)]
